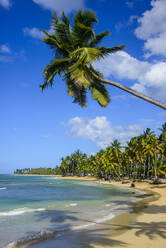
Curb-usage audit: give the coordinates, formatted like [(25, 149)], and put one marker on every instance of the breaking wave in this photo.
[(3, 188), (20, 211), (46, 235)]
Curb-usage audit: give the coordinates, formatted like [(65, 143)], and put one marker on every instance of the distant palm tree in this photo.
[(162, 136), (76, 48), (155, 149), (147, 133)]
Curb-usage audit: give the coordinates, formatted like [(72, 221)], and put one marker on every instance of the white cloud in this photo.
[(5, 54), (148, 78), (152, 28), (157, 44), (5, 3), (33, 32), (101, 131), (122, 65), (36, 32), (5, 49), (59, 5)]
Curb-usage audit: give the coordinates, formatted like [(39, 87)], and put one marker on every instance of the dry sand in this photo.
[(145, 228)]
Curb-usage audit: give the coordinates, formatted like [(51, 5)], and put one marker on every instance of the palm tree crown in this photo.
[(76, 47)]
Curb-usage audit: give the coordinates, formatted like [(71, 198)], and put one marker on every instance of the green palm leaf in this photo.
[(86, 55), (98, 38), (76, 48), (56, 66), (100, 93)]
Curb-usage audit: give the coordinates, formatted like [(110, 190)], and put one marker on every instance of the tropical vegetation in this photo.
[(76, 47), (143, 157), (38, 171)]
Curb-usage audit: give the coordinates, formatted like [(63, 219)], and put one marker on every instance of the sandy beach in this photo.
[(144, 227), (149, 227)]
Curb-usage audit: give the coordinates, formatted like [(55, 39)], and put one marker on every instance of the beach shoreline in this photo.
[(143, 226), (146, 226)]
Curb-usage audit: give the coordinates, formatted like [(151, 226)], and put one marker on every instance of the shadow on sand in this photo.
[(100, 234), (81, 239), (87, 237), (151, 229)]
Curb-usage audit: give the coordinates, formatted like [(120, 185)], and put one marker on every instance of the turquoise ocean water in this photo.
[(31, 204)]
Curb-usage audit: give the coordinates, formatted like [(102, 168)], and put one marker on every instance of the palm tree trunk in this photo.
[(144, 169), (155, 166), (133, 92), (155, 169)]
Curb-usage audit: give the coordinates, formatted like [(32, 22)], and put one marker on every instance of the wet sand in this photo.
[(144, 227), (148, 230)]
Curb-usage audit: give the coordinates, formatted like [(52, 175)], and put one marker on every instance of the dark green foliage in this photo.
[(144, 157), (156, 181), (76, 47), (39, 171)]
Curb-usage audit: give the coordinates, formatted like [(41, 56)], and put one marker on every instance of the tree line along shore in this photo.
[(143, 157)]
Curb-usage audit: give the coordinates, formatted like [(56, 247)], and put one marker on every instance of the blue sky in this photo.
[(37, 129)]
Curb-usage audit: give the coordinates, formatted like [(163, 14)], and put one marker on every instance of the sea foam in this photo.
[(73, 204), (45, 235), (3, 188), (20, 211)]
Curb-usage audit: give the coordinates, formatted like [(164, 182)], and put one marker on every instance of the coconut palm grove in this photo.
[(83, 124), (143, 157), (75, 48)]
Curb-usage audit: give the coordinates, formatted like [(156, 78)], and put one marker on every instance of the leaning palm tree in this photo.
[(76, 47)]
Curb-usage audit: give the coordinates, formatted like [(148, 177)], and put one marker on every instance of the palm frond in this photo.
[(44, 86), (99, 38), (94, 71), (77, 92), (81, 98), (76, 47), (85, 55), (55, 45), (79, 70), (65, 20), (106, 51), (50, 39), (86, 17), (100, 93), (82, 30), (55, 18), (56, 66), (81, 75), (87, 32), (62, 32)]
